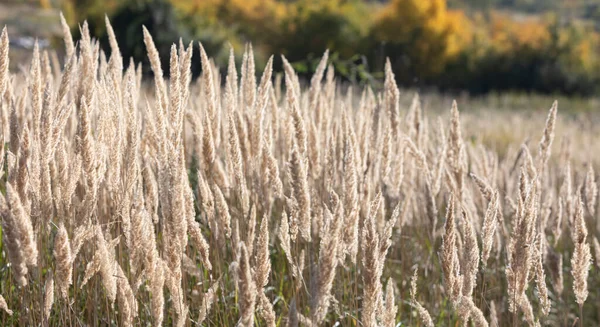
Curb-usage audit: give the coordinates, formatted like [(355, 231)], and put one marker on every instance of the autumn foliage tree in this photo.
[(420, 37)]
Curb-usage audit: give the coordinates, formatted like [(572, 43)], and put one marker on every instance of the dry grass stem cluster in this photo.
[(231, 200)]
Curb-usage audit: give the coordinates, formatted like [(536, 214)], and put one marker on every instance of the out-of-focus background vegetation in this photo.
[(473, 46)]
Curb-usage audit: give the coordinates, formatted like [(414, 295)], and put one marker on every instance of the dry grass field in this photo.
[(236, 201)]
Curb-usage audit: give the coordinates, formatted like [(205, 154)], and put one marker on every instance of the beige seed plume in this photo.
[(23, 226), (540, 277), (456, 149), (299, 282), (69, 46), (262, 259), (157, 282), (490, 224), (591, 190), (248, 85), (159, 83), (106, 264), (271, 169), (350, 195), (88, 55), (81, 234), (175, 105), (234, 148), (209, 89), (207, 301), (315, 81), (390, 308), (423, 313), (208, 143), (4, 306), (473, 312), (486, 190), (232, 78), (525, 306), (386, 232), (137, 238), (259, 117), (419, 156), (251, 231), (557, 225), (21, 176), (566, 192), (65, 85), (449, 255), (222, 210), (285, 242), (126, 298), (36, 91), (521, 242), (3, 62), (64, 261), (301, 192), (247, 288), (173, 284), (597, 251), (327, 264), (391, 98), (582, 258), (200, 243), (48, 296), (266, 310), (47, 68), (300, 133), (116, 61), (289, 71), (185, 74), (372, 265), (547, 138), (470, 256), (87, 149)]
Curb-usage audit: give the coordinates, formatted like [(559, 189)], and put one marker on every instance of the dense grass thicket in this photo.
[(232, 200)]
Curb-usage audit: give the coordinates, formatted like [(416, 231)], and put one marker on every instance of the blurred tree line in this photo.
[(430, 43)]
